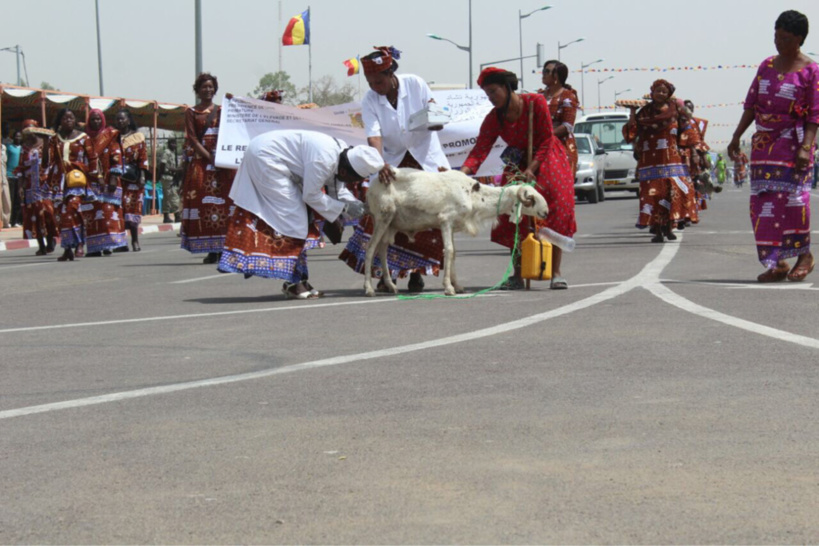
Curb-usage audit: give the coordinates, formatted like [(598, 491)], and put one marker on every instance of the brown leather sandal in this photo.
[(801, 270), (777, 274)]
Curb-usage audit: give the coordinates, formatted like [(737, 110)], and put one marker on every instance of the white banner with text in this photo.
[(243, 118)]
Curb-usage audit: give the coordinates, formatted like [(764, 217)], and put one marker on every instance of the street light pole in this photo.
[(462, 48), (16, 49), (559, 46), (470, 44), (618, 93), (582, 82), (99, 47), (198, 37), (521, 17), (598, 90)]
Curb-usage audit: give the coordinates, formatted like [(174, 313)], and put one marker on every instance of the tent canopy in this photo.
[(19, 103)]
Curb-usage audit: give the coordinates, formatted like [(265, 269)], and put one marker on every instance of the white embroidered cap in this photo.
[(365, 160)]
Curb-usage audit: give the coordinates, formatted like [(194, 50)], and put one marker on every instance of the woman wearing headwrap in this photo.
[(550, 169), (71, 171), (134, 171), (654, 130), (563, 105), (385, 110), (104, 221), (784, 102), (205, 202), (39, 221)]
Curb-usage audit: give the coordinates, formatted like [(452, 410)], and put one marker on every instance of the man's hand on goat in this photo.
[(386, 175), (353, 210), (443, 169)]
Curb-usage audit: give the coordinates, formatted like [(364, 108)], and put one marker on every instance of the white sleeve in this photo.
[(317, 171), (369, 115)]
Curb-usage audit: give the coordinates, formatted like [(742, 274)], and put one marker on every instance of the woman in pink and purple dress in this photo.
[(784, 102)]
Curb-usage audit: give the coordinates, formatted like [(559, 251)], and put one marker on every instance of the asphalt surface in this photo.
[(666, 397)]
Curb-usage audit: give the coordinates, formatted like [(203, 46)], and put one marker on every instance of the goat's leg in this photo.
[(383, 248), (452, 275), (449, 250), (379, 231)]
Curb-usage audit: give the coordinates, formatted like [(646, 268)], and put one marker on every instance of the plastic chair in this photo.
[(148, 197)]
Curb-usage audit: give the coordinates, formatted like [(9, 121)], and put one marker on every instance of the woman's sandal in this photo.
[(801, 270), (316, 293), (777, 274), (416, 283), (290, 292), (559, 283), (382, 287), (513, 283)]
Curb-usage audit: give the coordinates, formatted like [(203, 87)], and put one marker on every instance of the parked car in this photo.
[(588, 181), (620, 165)]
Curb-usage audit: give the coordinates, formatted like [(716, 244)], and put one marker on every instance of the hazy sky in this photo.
[(148, 45)]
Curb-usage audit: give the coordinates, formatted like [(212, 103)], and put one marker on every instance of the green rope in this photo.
[(515, 181)]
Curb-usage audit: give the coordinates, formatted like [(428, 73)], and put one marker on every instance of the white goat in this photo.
[(449, 200)]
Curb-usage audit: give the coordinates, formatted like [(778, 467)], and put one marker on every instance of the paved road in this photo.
[(665, 397)]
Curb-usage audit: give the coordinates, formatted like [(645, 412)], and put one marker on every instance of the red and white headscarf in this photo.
[(375, 64)]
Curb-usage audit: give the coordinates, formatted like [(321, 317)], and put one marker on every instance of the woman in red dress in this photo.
[(104, 221), (563, 105), (38, 211), (655, 131), (71, 150), (134, 171), (205, 190), (509, 120)]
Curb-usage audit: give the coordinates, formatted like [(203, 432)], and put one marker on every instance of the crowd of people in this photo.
[(295, 188)]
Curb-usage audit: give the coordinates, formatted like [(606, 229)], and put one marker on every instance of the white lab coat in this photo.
[(382, 120), (285, 171)]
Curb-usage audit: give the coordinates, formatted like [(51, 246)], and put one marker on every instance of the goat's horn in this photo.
[(530, 201)]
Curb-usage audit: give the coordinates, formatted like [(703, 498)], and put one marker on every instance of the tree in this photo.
[(47, 86), (276, 80), (326, 92)]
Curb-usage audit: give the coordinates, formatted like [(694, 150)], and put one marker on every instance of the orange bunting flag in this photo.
[(353, 65), (298, 30)]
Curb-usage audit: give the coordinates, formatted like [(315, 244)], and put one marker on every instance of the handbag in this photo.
[(130, 173), (75, 178), (333, 230)]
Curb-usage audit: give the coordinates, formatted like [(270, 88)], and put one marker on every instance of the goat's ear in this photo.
[(476, 187)]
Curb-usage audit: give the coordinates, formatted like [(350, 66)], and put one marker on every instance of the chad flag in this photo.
[(298, 30), (352, 65)]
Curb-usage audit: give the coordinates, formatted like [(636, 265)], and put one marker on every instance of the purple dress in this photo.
[(780, 194)]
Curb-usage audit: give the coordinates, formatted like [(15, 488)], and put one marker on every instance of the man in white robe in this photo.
[(285, 172)]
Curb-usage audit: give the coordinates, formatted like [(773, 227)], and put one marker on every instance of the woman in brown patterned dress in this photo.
[(563, 105), (205, 202), (104, 221), (134, 170), (71, 150)]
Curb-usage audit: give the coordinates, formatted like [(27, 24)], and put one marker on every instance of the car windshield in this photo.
[(583, 145), (608, 131)]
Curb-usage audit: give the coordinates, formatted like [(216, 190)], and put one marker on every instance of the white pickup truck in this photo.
[(620, 165)]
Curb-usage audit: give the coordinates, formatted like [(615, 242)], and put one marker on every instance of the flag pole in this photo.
[(310, 58)]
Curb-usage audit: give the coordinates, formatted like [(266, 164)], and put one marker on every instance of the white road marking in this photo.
[(197, 279), (648, 278), (665, 294), (751, 285), (650, 271), (193, 316), (26, 265)]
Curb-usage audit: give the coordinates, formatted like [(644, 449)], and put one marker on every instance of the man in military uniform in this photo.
[(170, 176)]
